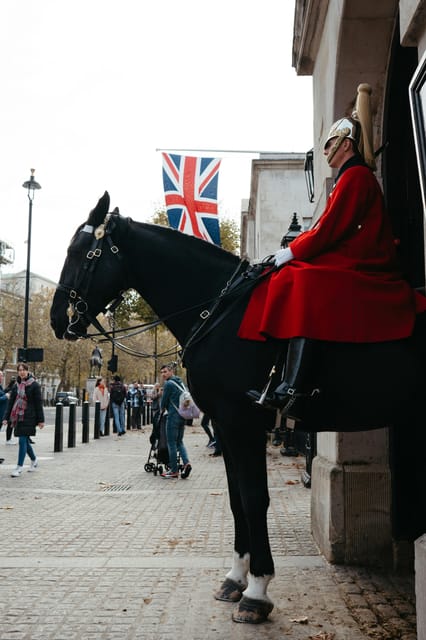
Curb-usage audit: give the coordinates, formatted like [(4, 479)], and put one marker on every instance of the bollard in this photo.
[(71, 425), (107, 419), (143, 415), (114, 424), (129, 420), (97, 428), (85, 421), (59, 428)]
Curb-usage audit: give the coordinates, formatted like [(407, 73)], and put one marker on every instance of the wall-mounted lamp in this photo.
[(309, 174)]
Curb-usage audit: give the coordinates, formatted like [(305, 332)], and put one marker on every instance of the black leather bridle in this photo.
[(78, 308)]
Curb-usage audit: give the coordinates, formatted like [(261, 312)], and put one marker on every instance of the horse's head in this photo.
[(92, 275)]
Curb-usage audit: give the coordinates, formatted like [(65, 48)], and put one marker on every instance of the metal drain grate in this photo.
[(114, 488)]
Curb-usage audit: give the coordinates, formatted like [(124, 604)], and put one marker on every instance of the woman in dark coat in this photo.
[(25, 412)]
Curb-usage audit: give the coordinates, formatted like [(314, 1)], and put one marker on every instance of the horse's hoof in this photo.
[(252, 611), (230, 591)]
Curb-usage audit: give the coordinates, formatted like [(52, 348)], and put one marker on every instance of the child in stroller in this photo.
[(159, 451)]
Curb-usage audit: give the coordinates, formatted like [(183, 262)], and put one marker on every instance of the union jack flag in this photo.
[(190, 189)]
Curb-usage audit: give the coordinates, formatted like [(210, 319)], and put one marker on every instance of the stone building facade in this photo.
[(360, 494), (278, 190)]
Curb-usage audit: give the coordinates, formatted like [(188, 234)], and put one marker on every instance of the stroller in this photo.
[(158, 457)]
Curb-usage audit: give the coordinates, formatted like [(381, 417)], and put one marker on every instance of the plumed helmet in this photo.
[(344, 128), (358, 128)]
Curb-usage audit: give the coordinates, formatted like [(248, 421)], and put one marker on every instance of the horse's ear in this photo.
[(116, 211), (97, 215)]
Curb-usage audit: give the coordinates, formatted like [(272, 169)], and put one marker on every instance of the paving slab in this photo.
[(95, 547)]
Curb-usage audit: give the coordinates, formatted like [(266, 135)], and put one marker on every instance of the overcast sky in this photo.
[(92, 88)]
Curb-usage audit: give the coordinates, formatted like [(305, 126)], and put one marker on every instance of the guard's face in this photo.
[(336, 151)]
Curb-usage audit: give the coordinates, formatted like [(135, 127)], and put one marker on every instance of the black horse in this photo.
[(363, 386)]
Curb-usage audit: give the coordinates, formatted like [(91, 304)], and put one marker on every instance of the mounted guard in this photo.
[(339, 281)]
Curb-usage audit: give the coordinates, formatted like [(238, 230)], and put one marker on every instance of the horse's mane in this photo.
[(190, 242)]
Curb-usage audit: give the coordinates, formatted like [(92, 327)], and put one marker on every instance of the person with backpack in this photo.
[(118, 393), (175, 425), (135, 402)]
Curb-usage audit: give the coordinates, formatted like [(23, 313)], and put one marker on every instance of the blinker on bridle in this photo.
[(78, 309)]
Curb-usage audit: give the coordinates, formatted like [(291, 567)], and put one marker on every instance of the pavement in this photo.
[(96, 548)]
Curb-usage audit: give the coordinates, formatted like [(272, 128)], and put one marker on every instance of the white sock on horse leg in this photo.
[(257, 587), (240, 568)]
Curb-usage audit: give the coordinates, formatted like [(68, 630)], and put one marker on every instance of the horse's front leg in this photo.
[(252, 569), (236, 580)]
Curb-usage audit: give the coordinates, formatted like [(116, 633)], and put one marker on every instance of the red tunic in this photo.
[(343, 284)]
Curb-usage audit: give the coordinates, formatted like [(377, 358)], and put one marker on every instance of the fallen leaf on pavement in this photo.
[(302, 620)]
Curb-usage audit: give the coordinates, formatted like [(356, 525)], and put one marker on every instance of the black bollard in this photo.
[(97, 429), (114, 424), (59, 428), (85, 421), (107, 419), (129, 420), (71, 425)]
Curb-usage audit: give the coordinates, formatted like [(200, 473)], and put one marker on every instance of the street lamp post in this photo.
[(31, 185)]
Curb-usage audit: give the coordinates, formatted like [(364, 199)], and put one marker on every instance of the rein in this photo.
[(78, 309), (237, 285)]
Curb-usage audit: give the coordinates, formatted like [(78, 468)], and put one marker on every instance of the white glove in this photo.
[(282, 256)]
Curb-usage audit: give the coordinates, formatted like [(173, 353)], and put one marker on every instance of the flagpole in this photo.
[(221, 151)]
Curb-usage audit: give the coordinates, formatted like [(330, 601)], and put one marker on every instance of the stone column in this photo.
[(351, 498)]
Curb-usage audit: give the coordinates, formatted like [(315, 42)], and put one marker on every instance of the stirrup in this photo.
[(286, 410), (265, 389)]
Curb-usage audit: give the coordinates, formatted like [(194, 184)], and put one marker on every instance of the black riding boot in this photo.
[(297, 374)]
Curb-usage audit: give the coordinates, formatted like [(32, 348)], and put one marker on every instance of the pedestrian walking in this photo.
[(118, 394), (25, 411), (175, 425), (205, 421), (135, 402), (101, 395)]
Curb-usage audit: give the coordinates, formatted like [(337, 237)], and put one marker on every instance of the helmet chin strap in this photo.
[(336, 146)]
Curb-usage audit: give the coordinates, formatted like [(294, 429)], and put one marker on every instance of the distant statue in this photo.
[(95, 363)]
